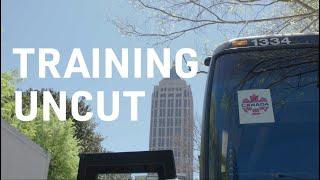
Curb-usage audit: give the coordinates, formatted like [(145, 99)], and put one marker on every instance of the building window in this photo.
[(155, 113), (154, 142), (160, 132), (156, 103), (185, 133), (178, 122), (178, 112), (155, 94), (170, 102), (170, 114), (162, 103), (155, 122), (161, 122), (170, 122), (162, 112), (162, 142), (178, 102)]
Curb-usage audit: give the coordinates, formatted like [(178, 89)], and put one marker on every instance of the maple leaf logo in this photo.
[(255, 105), (254, 98)]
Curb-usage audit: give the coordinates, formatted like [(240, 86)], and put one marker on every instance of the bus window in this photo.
[(287, 146)]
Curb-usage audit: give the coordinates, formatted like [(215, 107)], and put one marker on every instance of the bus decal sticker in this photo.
[(255, 106)]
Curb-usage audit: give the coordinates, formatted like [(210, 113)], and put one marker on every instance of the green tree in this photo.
[(85, 132), (54, 136), (8, 105), (7, 95), (57, 137)]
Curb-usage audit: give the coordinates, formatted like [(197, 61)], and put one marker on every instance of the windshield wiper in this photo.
[(301, 176), (281, 175)]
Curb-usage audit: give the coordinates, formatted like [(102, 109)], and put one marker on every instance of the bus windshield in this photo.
[(282, 143)]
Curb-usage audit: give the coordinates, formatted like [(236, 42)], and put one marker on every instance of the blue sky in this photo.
[(65, 25)]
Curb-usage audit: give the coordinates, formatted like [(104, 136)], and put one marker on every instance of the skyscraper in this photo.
[(172, 122)]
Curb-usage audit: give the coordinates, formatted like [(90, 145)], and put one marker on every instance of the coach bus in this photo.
[(261, 109)]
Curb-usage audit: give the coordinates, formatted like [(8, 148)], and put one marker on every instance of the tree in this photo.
[(54, 136), (8, 105), (7, 98), (89, 140), (171, 19), (58, 139)]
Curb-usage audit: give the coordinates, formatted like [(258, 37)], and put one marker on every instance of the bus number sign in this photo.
[(274, 41)]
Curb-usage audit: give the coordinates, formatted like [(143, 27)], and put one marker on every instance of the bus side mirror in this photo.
[(160, 162), (207, 61)]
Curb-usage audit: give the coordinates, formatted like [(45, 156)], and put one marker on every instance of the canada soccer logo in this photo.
[(255, 105)]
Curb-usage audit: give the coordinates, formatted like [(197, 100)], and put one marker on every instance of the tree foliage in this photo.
[(54, 136), (89, 139), (58, 139)]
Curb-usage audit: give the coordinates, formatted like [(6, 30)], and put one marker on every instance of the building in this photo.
[(172, 122), (20, 157)]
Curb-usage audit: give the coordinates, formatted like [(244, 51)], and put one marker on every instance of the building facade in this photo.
[(21, 158), (172, 122)]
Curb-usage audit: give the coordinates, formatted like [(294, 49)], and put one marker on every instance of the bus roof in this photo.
[(267, 41)]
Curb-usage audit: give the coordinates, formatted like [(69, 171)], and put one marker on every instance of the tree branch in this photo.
[(306, 6)]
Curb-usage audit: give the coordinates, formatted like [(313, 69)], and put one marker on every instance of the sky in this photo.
[(84, 24)]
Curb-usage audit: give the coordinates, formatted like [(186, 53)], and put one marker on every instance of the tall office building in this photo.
[(172, 122)]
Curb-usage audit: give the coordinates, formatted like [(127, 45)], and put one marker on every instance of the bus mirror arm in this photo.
[(189, 69), (207, 61)]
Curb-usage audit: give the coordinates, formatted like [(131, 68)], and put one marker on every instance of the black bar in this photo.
[(160, 162)]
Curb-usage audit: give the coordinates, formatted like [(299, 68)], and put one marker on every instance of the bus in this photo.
[(261, 109)]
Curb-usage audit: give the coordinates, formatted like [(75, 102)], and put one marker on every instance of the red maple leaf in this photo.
[(254, 98)]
